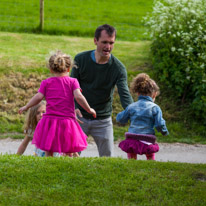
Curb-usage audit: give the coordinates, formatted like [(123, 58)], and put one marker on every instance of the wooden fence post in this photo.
[(41, 26)]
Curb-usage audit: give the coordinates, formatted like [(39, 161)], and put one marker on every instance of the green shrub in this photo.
[(178, 32)]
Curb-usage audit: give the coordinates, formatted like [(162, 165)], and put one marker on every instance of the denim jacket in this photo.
[(144, 116)]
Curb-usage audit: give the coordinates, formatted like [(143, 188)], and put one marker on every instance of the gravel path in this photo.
[(168, 152)]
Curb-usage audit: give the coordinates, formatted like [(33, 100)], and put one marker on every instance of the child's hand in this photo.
[(22, 109), (93, 112)]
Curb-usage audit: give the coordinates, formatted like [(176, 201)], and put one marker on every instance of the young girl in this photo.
[(144, 116), (58, 130), (33, 116)]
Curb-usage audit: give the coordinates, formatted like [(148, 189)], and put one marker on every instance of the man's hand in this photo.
[(78, 114)]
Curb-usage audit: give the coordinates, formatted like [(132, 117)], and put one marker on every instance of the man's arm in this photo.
[(123, 90)]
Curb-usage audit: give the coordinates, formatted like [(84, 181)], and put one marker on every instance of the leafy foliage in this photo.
[(178, 32)]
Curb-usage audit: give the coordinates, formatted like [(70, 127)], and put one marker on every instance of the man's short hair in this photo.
[(110, 30)]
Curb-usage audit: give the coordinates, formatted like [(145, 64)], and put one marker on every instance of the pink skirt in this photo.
[(132, 145), (59, 135)]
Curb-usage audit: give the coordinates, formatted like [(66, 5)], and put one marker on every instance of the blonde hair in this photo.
[(144, 85), (31, 121), (60, 62)]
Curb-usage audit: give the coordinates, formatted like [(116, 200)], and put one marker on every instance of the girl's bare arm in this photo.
[(33, 101), (81, 100)]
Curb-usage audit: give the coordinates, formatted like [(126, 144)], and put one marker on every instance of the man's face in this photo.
[(105, 44)]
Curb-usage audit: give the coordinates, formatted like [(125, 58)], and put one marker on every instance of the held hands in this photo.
[(79, 114), (93, 112), (22, 109)]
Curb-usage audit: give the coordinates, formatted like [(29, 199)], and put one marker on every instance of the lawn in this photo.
[(76, 17), (29, 180)]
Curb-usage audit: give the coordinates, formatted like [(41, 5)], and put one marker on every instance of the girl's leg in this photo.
[(150, 156), (75, 154), (131, 156), (48, 154), (68, 154)]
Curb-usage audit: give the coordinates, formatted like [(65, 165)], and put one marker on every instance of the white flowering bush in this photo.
[(178, 32)]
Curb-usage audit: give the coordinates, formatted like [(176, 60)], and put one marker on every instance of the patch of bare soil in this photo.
[(16, 89)]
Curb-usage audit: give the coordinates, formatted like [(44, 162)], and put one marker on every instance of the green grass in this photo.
[(76, 17), (12, 135), (10, 123), (18, 52), (99, 181)]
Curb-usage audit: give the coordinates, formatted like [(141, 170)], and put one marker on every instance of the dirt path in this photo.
[(168, 152)]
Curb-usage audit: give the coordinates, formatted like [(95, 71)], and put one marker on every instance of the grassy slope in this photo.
[(22, 67), (99, 181)]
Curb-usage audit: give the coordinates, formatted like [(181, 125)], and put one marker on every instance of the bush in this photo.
[(178, 32)]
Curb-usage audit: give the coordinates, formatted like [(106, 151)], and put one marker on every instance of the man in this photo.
[(98, 71)]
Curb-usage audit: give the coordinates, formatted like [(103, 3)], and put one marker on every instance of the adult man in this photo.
[(98, 71)]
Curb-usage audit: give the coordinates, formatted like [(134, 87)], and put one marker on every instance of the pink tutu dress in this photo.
[(58, 130)]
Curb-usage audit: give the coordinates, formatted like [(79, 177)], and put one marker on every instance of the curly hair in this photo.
[(144, 85)]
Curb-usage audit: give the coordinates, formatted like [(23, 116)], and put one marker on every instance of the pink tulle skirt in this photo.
[(135, 146), (59, 135)]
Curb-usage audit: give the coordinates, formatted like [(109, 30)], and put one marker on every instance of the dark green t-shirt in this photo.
[(97, 82)]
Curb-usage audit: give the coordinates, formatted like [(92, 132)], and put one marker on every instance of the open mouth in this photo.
[(106, 52)]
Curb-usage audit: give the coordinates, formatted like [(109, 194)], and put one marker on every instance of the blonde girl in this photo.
[(58, 130), (33, 116)]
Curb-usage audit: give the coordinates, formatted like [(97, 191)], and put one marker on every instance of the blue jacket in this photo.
[(144, 116)]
